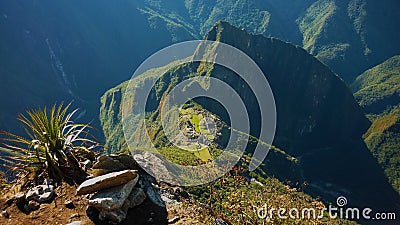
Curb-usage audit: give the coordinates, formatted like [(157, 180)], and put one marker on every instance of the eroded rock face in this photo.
[(152, 164), (112, 198), (135, 198), (149, 185), (106, 181), (40, 193)]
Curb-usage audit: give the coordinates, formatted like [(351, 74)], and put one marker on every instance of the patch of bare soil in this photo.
[(66, 207)]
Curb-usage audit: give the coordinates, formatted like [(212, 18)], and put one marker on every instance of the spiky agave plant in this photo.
[(54, 143)]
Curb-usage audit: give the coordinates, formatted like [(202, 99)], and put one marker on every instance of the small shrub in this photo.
[(53, 144)]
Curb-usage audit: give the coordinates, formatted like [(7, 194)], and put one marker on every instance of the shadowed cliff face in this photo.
[(319, 122), (315, 108)]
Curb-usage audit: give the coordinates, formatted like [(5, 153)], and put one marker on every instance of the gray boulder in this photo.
[(106, 181), (106, 164), (149, 185), (126, 160), (114, 162), (136, 197), (112, 198), (114, 215), (155, 166)]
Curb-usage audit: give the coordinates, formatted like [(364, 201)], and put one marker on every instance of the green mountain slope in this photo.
[(319, 121), (383, 139), (349, 36), (378, 89)]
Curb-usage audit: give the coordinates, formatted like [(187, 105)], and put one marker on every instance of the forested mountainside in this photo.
[(378, 89), (319, 122), (329, 141), (349, 36), (383, 138), (378, 92)]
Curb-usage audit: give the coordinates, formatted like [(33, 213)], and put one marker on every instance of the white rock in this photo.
[(75, 223), (112, 198), (148, 184), (255, 181), (40, 193)]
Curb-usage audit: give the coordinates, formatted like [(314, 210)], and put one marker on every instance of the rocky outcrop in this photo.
[(136, 198), (149, 185), (113, 194)]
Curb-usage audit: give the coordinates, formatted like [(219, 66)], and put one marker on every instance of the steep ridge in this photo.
[(296, 76), (349, 36), (378, 92), (319, 122)]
